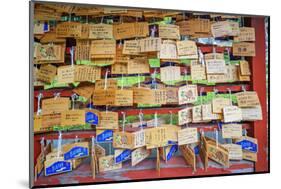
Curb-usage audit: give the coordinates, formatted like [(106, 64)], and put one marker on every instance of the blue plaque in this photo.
[(105, 136), (248, 145), (58, 167), (92, 118), (76, 152), (172, 151), (125, 155), (196, 149)]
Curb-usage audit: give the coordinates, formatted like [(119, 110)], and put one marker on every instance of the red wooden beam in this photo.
[(259, 85)]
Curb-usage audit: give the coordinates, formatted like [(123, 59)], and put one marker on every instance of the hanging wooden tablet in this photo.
[(246, 34), (217, 152), (187, 136), (130, 30), (169, 31), (214, 55), (149, 96), (156, 137), (138, 66), (122, 140), (82, 50), (187, 94), (172, 133), (215, 66), (251, 113), (150, 44), (170, 73), (232, 73), (100, 31), (92, 116), (69, 29), (85, 90), (250, 156), (103, 48), (50, 120), (225, 28), (53, 105), (73, 117), (50, 53), (87, 73), (248, 143), (231, 130), (247, 99), (139, 155), (46, 73), (75, 150), (131, 47), (244, 67), (196, 113), (172, 95), (232, 114), (103, 97), (244, 49), (187, 49), (37, 122), (203, 153), (110, 84), (66, 74), (217, 78), (235, 151), (198, 72), (56, 166), (207, 113), (121, 155), (119, 68), (123, 98), (168, 50), (106, 163), (185, 116), (219, 103), (188, 155), (108, 120)]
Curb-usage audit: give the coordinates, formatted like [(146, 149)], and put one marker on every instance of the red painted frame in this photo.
[(259, 85), (258, 129)]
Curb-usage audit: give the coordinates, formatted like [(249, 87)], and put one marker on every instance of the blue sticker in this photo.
[(46, 27), (172, 151), (58, 167), (196, 149), (170, 142), (125, 155), (76, 152), (248, 145), (105, 136), (92, 118)]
